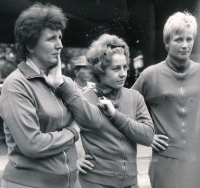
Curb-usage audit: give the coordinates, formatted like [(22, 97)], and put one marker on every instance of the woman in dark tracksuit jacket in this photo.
[(112, 147)]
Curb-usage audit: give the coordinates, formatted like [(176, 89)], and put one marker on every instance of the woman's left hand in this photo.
[(54, 78), (106, 107)]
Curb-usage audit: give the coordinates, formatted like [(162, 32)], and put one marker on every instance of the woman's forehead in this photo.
[(182, 32)]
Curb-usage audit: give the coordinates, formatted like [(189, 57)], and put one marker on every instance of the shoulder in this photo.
[(131, 92), (90, 95), (14, 81), (195, 65), (153, 68)]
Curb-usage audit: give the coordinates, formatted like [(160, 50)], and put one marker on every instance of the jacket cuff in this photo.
[(65, 92), (74, 131)]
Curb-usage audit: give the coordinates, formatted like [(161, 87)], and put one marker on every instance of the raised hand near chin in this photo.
[(54, 77)]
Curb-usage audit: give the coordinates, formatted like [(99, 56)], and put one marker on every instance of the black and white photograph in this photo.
[(99, 94)]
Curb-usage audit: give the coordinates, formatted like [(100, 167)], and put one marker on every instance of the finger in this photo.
[(162, 142), (154, 148), (88, 163), (101, 106), (59, 61), (159, 146), (85, 166), (88, 157), (82, 171), (162, 137)]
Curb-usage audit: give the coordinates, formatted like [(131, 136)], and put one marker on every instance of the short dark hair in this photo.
[(32, 21)]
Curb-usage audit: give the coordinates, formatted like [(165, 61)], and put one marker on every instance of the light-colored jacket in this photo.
[(41, 147)]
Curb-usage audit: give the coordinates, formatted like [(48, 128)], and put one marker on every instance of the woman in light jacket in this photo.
[(172, 93), (39, 127)]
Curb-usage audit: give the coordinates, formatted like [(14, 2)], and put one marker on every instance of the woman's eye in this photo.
[(125, 67), (178, 40), (190, 40)]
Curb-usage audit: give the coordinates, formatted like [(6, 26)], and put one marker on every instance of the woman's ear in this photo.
[(167, 47), (29, 48)]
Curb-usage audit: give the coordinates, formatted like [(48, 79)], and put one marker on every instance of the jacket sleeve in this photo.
[(20, 116), (140, 131), (87, 115)]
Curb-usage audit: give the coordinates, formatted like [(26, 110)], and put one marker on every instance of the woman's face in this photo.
[(180, 46), (48, 48), (116, 72)]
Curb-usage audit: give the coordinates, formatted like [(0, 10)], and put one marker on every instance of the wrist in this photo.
[(59, 85)]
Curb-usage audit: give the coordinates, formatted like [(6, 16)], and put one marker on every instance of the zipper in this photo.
[(68, 179), (123, 162), (65, 156)]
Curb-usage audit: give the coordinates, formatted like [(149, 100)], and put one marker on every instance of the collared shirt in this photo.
[(89, 85)]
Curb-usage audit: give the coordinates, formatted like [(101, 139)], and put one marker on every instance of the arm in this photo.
[(140, 131), (19, 114), (140, 85), (86, 114)]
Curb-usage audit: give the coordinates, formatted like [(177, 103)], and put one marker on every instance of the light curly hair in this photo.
[(101, 51), (178, 23)]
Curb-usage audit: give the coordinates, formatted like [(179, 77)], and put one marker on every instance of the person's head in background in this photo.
[(81, 70), (109, 59), (38, 33), (179, 34)]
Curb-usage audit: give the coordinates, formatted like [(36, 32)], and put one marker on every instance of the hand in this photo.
[(75, 126), (84, 163), (54, 78), (158, 143), (106, 107)]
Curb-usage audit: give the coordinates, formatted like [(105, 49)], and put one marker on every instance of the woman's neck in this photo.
[(177, 64)]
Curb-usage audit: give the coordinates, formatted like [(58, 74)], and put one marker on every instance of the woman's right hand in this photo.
[(82, 163), (54, 78), (106, 107), (158, 143)]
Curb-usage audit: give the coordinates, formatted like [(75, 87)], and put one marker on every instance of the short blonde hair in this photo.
[(101, 51), (177, 23)]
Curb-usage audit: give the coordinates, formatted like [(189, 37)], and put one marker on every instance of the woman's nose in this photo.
[(59, 45), (185, 44), (123, 73)]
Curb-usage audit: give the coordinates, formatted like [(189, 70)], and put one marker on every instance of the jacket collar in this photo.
[(105, 90), (28, 72), (178, 65)]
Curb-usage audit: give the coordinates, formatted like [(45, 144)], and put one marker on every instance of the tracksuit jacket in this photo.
[(172, 95), (113, 144), (41, 147)]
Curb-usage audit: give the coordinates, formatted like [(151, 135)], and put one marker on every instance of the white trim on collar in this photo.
[(30, 63)]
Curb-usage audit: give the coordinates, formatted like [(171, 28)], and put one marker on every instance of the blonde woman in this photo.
[(172, 93)]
